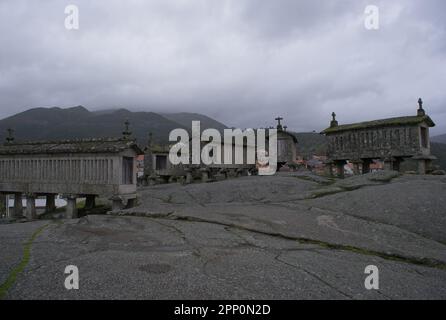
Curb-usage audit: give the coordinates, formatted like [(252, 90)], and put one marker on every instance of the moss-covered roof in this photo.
[(159, 148), (293, 135), (100, 145), (398, 121)]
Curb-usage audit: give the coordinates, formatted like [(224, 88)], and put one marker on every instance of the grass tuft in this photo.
[(9, 282)]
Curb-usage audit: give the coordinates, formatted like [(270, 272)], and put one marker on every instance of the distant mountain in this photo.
[(440, 138), (439, 150), (78, 122), (185, 119), (310, 143)]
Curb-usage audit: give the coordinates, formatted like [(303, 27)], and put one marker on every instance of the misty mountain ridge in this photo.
[(439, 139), (78, 122)]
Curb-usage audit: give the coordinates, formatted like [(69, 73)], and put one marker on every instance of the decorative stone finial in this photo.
[(284, 128), (10, 137), (333, 122), (126, 133), (420, 111), (279, 125)]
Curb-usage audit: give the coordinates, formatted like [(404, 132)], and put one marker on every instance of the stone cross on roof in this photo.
[(420, 111), (10, 137), (420, 103), (333, 122), (279, 125), (127, 133)]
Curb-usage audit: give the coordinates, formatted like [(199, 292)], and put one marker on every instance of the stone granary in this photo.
[(391, 140), (73, 168), (157, 165), (286, 145)]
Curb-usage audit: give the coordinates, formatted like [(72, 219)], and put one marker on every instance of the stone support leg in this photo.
[(356, 168), (3, 205), (90, 201), (117, 204), (50, 205), (204, 175), (71, 210), (366, 166), (18, 206), (329, 169), (31, 213), (421, 166), (189, 178), (340, 168), (131, 203)]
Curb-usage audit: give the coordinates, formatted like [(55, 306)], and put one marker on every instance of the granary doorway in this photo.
[(127, 170), (160, 162)]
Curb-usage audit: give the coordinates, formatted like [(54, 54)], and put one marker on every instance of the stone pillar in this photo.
[(396, 165), (428, 166), (152, 180), (116, 203), (254, 172), (50, 205), (164, 178), (18, 206), (421, 166), (31, 213), (340, 168), (131, 203), (224, 173), (366, 165), (189, 178), (204, 174), (356, 166), (356, 170), (241, 172), (329, 168), (424, 162), (90, 201), (71, 210), (3, 204), (181, 180), (388, 163)]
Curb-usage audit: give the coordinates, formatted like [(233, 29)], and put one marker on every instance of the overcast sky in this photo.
[(243, 62)]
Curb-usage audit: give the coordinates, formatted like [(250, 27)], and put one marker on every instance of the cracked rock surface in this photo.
[(290, 236)]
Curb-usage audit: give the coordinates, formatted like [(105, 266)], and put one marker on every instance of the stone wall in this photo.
[(399, 141)]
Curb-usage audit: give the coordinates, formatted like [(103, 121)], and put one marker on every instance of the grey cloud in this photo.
[(241, 61)]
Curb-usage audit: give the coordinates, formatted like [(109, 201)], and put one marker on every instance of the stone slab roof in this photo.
[(409, 120), (100, 145), (159, 148), (293, 135)]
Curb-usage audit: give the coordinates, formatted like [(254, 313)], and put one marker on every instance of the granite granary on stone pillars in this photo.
[(392, 141), (84, 168), (286, 145), (157, 167)]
